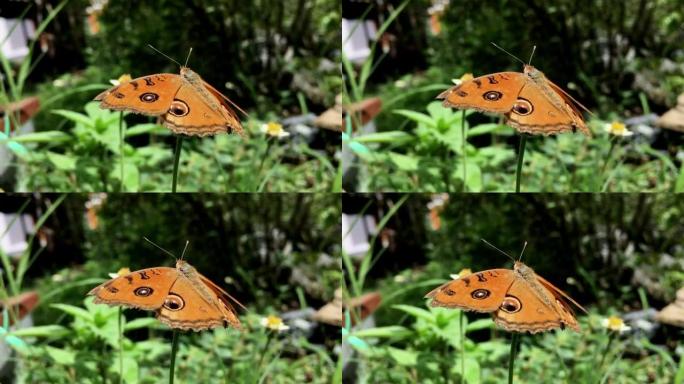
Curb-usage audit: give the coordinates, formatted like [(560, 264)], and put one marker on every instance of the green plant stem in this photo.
[(464, 138), (264, 351), (176, 160), (515, 341), (174, 350), (521, 155), (120, 346), (446, 174), (460, 319), (269, 143), (121, 149), (610, 152), (606, 350)]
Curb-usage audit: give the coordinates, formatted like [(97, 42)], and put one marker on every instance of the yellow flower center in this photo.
[(617, 128), (273, 129), (274, 322), (464, 272), (467, 76), (123, 271), (615, 323), (124, 78)]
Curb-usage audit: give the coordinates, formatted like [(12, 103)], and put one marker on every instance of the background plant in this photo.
[(613, 253)]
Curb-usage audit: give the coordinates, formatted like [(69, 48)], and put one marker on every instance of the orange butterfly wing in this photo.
[(190, 114), (524, 311), (534, 112), (144, 289), (185, 308), (176, 298), (495, 93), (481, 291), (149, 95)]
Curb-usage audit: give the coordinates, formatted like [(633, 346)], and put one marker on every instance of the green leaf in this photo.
[(62, 162), (142, 129), (131, 178), (383, 332), (483, 129), (472, 370), (145, 322), (131, 370), (479, 325), (404, 162), (75, 117), (403, 357), (52, 137), (679, 186), (391, 137), (61, 356), (416, 312), (74, 311), (417, 117), (42, 331), (473, 176)]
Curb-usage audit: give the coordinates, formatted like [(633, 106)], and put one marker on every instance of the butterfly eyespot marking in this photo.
[(149, 97), (179, 108), (522, 107), (480, 294), (492, 95), (119, 95), (143, 291), (511, 304), (449, 292), (173, 302)]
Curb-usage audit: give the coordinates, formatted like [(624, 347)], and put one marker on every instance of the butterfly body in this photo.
[(519, 299), (185, 103), (181, 297), (529, 101)]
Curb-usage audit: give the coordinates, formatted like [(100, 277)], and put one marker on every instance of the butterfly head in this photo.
[(184, 267), (523, 270), (188, 73), (533, 72)]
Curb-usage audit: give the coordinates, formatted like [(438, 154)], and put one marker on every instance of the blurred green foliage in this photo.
[(65, 354), (259, 53), (89, 156), (273, 252), (619, 65), (614, 253)]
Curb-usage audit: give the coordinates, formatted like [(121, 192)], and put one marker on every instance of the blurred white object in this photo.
[(355, 241), (15, 47), (16, 229), (356, 36)]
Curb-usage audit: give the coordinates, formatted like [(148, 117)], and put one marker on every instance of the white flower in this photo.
[(615, 324), (125, 78), (274, 323), (463, 272), (274, 129), (465, 77), (616, 128), (120, 272)]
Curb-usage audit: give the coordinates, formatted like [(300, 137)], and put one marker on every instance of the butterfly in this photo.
[(529, 101), (181, 297), (185, 103), (519, 299)]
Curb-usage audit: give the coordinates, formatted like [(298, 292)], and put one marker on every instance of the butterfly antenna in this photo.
[(532, 54), (510, 54), (188, 58), (185, 248), (156, 245), (165, 55), (523, 251), (492, 245)]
